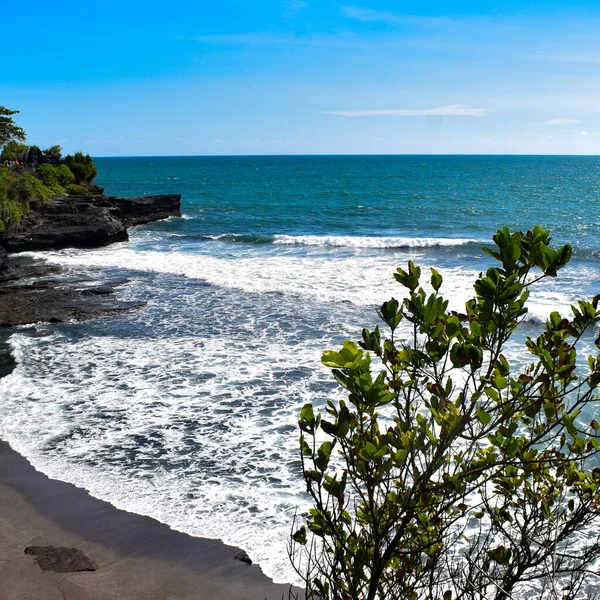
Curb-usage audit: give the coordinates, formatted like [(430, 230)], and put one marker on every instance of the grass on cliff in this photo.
[(17, 190)]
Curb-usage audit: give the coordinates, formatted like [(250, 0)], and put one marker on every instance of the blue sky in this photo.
[(118, 78)]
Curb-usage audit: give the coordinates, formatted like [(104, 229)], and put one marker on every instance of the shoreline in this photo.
[(136, 556)]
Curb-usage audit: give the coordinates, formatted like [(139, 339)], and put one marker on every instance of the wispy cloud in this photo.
[(344, 40), (454, 110), (557, 122), (245, 38), (592, 58), (379, 16), (293, 7)]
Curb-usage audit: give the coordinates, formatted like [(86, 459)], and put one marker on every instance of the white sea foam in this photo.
[(363, 280), (350, 241), (197, 433)]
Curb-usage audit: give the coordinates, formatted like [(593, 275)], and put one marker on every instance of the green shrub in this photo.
[(64, 175), (448, 473), (12, 205), (55, 176), (17, 190), (48, 174), (75, 190), (14, 151), (82, 166)]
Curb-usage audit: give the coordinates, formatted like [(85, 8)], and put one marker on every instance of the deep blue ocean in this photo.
[(186, 410)]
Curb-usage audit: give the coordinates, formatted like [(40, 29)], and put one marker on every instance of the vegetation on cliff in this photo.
[(446, 474), (28, 173), (83, 168), (8, 129)]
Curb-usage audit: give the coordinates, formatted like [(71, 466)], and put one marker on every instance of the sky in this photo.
[(123, 78)]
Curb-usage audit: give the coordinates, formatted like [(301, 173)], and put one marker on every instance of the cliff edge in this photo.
[(86, 221)]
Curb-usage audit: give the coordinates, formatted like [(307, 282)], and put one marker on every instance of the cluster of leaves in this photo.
[(52, 176), (446, 440), (76, 190), (14, 150), (83, 168), (8, 130)]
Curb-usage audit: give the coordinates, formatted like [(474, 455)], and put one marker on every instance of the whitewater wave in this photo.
[(348, 241), (360, 280), (335, 241)]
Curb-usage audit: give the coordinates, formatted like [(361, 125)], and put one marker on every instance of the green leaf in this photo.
[(300, 536), (436, 280), (483, 416)]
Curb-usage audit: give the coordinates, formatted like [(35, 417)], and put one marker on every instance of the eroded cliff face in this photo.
[(86, 221)]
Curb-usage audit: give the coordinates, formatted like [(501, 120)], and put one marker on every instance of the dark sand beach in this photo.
[(135, 557)]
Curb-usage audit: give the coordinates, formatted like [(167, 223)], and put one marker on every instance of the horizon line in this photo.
[(596, 155)]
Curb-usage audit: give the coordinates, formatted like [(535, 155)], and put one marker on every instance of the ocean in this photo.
[(186, 410)]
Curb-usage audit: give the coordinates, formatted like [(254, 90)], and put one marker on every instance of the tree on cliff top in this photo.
[(83, 167), (445, 474), (8, 130)]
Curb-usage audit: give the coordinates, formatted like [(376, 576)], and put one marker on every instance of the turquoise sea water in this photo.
[(186, 410)]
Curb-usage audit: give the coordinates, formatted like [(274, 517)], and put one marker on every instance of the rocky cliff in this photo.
[(86, 221)]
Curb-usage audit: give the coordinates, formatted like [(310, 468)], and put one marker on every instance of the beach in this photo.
[(135, 557)]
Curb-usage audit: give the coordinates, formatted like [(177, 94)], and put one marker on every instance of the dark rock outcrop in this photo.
[(28, 293), (51, 300), (60, 560), (243, 557), (145, 209), (86, 221)]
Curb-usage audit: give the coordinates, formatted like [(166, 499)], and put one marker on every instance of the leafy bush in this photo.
[(64, 175), (75, 190), (14, 151), (55, 176), (17, 190), (48, 174), (83, 167), (446, 474), (12, 206)]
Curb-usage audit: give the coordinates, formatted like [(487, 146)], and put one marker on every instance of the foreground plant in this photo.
[(446, 474)]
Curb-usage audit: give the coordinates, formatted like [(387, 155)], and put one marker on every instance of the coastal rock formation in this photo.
[(53, 300), (86, 221)]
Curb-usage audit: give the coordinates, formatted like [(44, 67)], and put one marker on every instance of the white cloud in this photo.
[(245, 38), (454, 110), (379, 16), (581, 57), (557, 122)]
